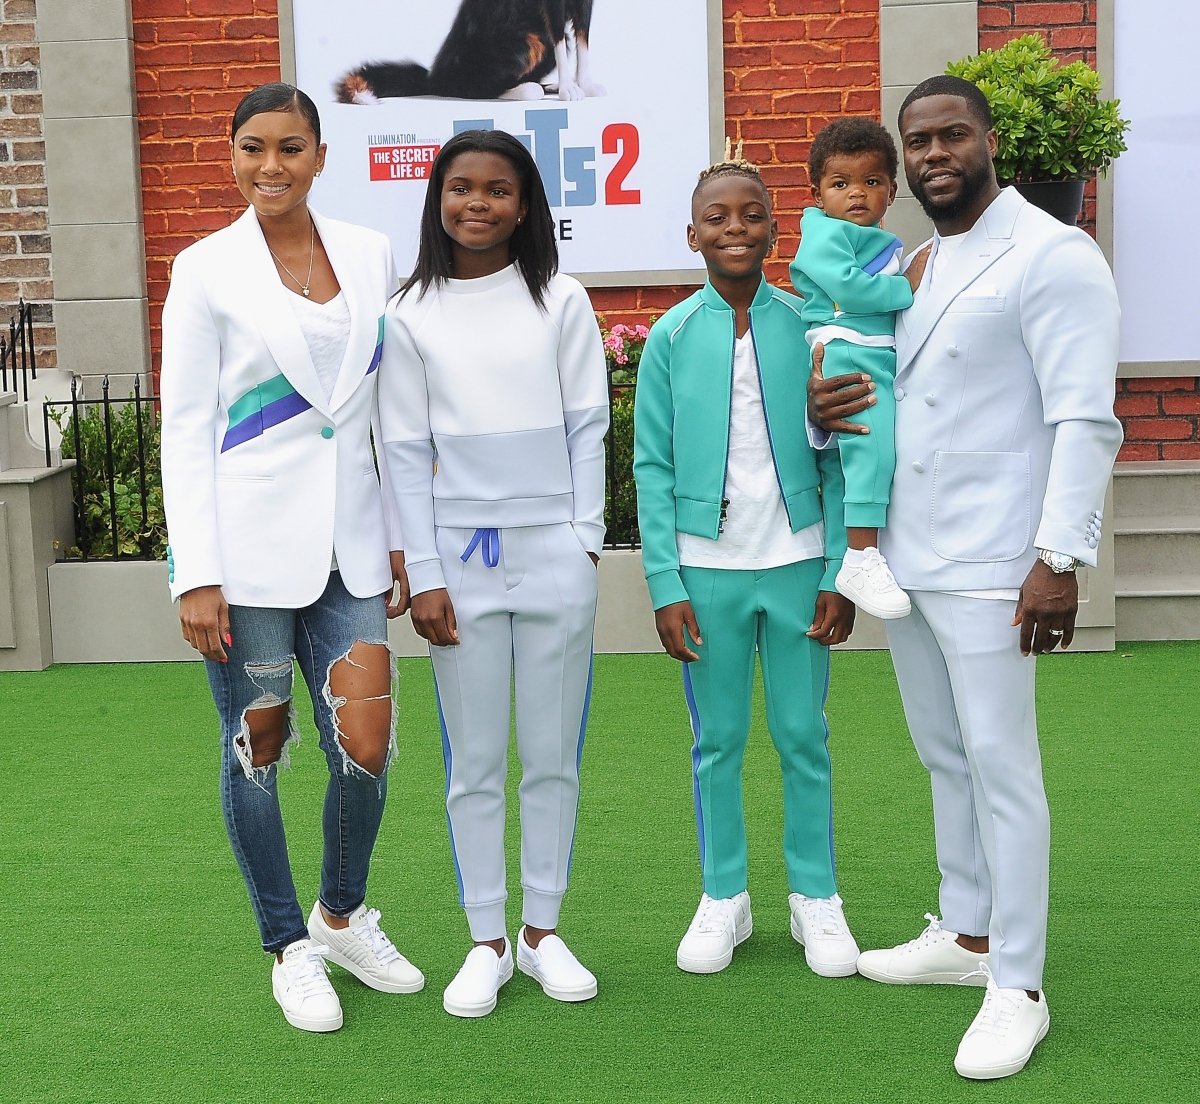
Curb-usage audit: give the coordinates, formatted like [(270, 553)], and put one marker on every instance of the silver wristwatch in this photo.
[(1058, 562)]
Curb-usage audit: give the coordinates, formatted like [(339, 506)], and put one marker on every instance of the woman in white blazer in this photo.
[(283, 549)]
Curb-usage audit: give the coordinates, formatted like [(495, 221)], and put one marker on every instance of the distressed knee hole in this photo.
[(266, 730), (358, 690), (268, 722)]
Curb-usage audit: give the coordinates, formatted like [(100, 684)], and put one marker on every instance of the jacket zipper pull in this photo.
[(723, 516)]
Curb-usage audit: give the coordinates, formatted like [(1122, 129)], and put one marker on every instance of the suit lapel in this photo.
[(357, 280), (986, 242), (269, 299)]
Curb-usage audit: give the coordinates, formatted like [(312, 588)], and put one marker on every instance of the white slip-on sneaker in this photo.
[(473, 991), (1003, 1034), (819, 926), (553, 966), (718, 926), (933, 958), (300, 983), (872, 587), (365, 950)]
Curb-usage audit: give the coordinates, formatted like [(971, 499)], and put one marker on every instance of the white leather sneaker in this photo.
[(933, 958), (553, 966), (1003, 1035), (718, 926), (300, 983), (473, 991), (872, 587), (365, 950), (819, 926)]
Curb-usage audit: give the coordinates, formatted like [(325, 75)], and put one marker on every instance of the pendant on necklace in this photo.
[(305, 290)]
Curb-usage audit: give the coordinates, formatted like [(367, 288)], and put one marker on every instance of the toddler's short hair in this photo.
[(854, 134)]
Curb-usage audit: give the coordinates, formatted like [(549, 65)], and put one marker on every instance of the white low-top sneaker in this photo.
[(933, 958), (553, 966), (819, 926), (301, 986), (1003, 1034), (473, 991), (365, 950), (718, 926), (872, 587)]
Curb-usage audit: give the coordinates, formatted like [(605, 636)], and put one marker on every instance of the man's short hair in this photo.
[(949, 86)]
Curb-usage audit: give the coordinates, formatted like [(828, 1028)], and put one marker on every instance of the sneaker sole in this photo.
[(954, 978), (476, 1011), (305, 1024), (870, 607), (824, 969), (992, 1073), (567, 996), (352, 967), (716, 965)]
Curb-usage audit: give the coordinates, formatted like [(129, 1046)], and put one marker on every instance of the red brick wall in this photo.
[(24, 219), (790, 66), (1161, 416)]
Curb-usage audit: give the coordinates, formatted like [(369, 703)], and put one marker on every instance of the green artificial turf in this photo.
[(132, 972)]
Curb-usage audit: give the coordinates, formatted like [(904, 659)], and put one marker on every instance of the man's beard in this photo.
[(972, 184)]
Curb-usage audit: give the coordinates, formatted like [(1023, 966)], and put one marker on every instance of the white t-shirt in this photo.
[(756, 534), (326, 329)]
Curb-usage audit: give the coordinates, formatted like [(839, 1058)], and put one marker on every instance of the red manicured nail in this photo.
[(229, 639)]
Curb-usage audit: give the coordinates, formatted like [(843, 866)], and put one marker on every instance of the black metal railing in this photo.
[(620, 499), (18, 358), (117, 481)]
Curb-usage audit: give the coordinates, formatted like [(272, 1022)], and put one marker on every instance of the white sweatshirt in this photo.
[(493, 412)]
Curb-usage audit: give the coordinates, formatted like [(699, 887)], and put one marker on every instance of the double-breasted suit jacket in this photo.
[(265, 478), (1005, 432)]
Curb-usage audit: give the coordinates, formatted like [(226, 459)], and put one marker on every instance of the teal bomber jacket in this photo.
[(681, 430)]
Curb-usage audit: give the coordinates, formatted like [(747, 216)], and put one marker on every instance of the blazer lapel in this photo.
[(988, 240), (360, 287), (265, 293)]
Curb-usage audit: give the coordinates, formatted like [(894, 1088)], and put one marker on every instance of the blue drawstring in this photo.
[(490, 540)]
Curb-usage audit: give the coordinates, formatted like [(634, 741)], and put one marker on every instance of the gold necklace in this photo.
[(306, 286)]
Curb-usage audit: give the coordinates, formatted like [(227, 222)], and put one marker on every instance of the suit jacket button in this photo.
[(327, 432), (929, 400), (1092, 542), (952, 350), (899, 393), (918, 467)]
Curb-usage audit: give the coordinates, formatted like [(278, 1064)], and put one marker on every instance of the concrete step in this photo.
[(1155, 489), (1147, 613), (1161, 551)]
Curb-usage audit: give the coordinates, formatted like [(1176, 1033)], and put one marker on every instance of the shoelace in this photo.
[(308, 972), (823, 913), (998, 1012), (873, 564), (375, 938), (927, 936), (714, 915)]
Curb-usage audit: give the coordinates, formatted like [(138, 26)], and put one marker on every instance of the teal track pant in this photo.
[(740, 612), (868, 461)]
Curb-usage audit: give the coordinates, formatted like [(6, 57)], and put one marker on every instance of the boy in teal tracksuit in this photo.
[(742, 537), (848, 271)]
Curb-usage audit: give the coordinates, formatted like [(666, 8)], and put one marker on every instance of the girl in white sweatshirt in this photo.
[(494, 405)]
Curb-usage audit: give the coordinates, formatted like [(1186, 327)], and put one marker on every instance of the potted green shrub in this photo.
[(1054, 131)]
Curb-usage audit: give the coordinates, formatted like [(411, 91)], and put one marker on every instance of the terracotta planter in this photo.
[(1061, 198)]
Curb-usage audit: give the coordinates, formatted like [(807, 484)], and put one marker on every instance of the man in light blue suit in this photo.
[(1005, 440)]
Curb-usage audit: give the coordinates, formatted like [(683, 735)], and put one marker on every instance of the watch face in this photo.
[(1060, 561)]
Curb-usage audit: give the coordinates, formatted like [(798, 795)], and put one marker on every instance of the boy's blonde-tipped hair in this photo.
[(733, 163)]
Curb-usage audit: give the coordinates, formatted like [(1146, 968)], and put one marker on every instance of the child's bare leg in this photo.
[(860, 537)]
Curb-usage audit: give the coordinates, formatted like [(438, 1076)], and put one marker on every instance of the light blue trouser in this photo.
[(969, 701), (868, 460), (770, 611), (528, 619)]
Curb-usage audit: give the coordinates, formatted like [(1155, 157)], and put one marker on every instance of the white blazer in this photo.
[(1005, 433), (265, 479)]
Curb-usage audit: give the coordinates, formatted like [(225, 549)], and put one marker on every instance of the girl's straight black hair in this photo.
[(532, 245), (276, 97)]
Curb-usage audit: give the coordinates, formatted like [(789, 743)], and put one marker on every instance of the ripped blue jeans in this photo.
[(259, 675)]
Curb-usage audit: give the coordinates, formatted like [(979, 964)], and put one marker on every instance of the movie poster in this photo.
[(618, 134)]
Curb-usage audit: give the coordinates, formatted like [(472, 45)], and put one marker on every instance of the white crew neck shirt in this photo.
[(326, 329), (756, 534)]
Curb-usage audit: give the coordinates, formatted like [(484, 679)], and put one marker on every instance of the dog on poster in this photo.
[(496, 50)]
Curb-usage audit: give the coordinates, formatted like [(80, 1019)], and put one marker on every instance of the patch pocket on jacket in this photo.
[(976, 304), (980, 511)]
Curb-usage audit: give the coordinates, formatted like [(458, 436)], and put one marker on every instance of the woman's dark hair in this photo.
[(532, 246), (851, 135), (276, 97)]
